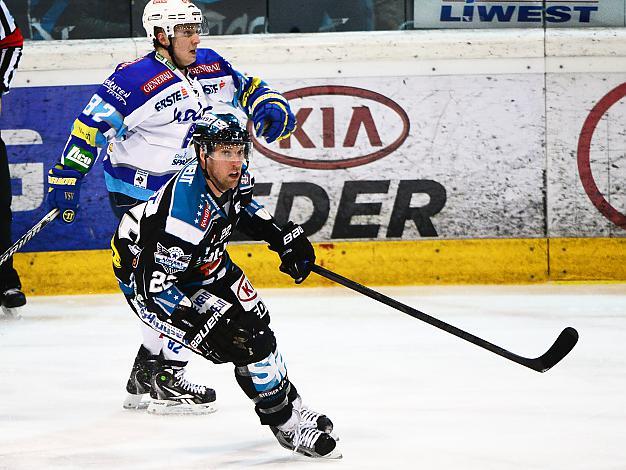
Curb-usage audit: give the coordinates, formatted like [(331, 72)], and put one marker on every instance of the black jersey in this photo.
[(176, 241)]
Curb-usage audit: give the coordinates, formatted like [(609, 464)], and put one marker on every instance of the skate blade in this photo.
[(334, 454), (12, 313), (168, 407), (136, 402)]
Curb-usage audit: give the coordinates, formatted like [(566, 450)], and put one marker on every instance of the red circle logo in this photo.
[(584, 162)]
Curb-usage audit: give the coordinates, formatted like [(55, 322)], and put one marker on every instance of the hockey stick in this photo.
[(561, 347), (49, 217)]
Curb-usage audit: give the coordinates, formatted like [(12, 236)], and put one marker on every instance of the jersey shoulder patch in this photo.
[(124, 65), (147, 75), (134, 84)]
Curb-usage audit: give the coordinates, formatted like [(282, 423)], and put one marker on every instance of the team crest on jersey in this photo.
[(173, 259)]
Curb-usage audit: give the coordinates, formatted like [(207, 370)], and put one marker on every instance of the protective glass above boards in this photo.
[(72, 19), (97, 19), (220, 16), (311, 16)]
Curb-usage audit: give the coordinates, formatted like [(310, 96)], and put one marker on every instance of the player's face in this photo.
[(185, 42), (224, 165)]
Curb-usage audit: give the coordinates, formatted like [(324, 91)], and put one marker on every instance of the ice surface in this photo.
[(402, 393)]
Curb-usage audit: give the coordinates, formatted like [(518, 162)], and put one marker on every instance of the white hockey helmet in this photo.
[(167, 14)]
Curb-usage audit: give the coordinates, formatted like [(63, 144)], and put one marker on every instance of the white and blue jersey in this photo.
[(143, 115)]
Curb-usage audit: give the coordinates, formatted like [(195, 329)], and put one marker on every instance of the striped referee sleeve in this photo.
[(7, 23), (10, 47), (9, 60)]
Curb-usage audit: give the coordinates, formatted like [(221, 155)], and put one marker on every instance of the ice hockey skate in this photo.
[(307, 440), (138, 385), (318, 420), (12, 300), (308, 433), (172, 393)]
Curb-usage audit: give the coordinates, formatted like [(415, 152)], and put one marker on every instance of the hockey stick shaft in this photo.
[(561, 347), (24, 239)]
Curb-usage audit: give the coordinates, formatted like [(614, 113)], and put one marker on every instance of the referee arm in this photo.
[(11, 43)]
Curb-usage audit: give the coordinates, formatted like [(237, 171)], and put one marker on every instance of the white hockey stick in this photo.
[(49, 217)]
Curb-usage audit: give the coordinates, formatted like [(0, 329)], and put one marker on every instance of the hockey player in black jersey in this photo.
[(169, 255)]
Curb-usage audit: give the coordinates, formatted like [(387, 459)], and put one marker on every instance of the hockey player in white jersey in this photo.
[(170, 257), (142, 118)]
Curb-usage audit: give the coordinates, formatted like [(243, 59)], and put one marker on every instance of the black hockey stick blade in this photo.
[(561, 347)]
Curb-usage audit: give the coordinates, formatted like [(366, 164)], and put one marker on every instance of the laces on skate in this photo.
[(182, 381)]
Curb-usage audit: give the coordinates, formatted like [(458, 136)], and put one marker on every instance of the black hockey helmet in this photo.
[(224, 129)]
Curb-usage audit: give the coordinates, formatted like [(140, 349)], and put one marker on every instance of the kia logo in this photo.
[(339, 127)]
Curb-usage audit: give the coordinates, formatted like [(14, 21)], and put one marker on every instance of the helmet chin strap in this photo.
[(170, 50)]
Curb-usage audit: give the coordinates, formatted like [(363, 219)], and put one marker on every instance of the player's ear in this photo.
[(202, 158), (161, 38)]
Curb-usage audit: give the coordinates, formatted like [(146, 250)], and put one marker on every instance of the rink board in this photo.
[(479, 144), (489, 261)]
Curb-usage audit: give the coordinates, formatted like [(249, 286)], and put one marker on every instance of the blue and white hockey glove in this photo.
[(64, 191), (295, 251), (268, 109), (273, 118)]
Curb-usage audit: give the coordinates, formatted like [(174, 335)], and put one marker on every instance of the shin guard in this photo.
[(267, 385)]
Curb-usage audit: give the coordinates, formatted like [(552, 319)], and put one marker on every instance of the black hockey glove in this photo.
[(221, 339), (208, 337), (183, 317), (295, 251)]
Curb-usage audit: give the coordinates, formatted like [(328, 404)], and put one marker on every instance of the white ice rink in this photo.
[(402, 393)]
